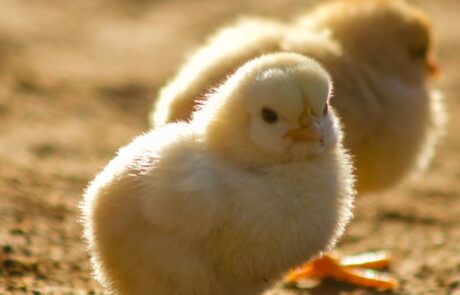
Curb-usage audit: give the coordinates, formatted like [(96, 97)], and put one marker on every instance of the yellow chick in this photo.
[(255, 184), (379, 54), (392, 121)]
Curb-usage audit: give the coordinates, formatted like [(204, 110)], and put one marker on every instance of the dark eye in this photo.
[(326, 109), (420, 52), (269, 115)]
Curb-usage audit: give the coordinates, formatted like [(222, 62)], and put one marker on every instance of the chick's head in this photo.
[(273, 109), (392, 35)]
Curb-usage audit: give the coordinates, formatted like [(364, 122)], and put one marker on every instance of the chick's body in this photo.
[(377, 53), (181, 211)]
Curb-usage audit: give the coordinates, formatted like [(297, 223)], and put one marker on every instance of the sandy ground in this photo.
[(77, 79)]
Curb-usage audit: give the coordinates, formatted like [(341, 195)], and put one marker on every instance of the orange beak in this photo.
[(432, 67), (312, 132)]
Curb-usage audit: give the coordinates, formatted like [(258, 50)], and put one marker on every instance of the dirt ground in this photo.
[(77, 79)]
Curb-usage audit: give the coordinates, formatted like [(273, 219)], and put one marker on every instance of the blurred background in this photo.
[(77, 80)]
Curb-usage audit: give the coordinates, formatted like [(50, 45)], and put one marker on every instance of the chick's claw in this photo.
[(374, 260), (357, 269)]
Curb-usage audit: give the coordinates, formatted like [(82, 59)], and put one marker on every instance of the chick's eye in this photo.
[(269, 115), (326, 109), (420, 52)]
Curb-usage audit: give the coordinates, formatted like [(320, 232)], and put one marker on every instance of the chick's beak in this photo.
[(432, 67), (312, 132)]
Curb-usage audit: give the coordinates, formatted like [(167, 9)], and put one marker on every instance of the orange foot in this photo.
[(356, 269)]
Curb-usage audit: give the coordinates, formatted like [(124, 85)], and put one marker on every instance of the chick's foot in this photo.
[(358, 269)]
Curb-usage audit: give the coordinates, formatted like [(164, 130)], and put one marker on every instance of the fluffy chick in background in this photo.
[(255, 184), (379, 54)]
